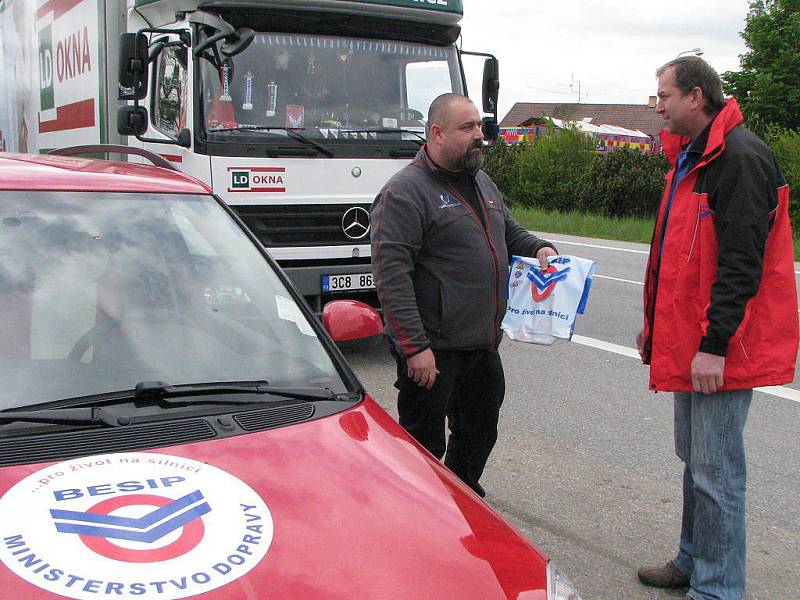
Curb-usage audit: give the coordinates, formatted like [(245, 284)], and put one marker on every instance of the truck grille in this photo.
[(304, 225)]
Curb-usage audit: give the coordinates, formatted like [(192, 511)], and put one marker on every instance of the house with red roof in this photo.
[(641, 117)]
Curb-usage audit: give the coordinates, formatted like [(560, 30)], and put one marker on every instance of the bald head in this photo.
[(454, 137), (441, 109)]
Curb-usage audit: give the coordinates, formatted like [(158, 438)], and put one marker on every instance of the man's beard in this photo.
[(472, 160)]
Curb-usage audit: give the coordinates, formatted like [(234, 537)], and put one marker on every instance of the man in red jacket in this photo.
[(720, 314)]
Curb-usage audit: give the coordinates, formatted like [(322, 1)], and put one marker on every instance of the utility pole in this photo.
[(578, 81)]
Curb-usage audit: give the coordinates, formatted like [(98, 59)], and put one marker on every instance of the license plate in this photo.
[(348, 281)]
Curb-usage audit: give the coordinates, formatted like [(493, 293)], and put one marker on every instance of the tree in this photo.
[(767, 87)]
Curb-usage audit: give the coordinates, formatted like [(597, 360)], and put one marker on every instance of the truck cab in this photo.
[(294, 112)]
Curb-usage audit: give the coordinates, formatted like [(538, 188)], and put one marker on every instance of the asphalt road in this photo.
[(585, 466)]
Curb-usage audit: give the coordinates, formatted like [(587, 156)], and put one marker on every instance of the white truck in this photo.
[(295, 112)]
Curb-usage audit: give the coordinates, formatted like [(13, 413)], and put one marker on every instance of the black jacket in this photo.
[(440, 273)]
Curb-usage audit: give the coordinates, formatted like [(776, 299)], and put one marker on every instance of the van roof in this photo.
[(41, 172)]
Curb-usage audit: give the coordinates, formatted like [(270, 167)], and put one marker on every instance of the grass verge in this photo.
[(627, 229)]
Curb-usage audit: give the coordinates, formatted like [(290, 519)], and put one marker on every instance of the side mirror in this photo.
[(220, 27), (490, 129), (237, 43), (155, 50), (216, 28), (185, 138), (347, 320), (133, 60), (491, 84), (131, 120)]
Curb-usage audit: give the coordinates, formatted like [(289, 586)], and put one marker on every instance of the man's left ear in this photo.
[(435, 131), (698, 96)]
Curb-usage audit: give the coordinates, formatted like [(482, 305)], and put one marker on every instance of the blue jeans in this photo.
[(709, 439)]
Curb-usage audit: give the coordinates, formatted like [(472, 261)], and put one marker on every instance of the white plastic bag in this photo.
[(542, 305)]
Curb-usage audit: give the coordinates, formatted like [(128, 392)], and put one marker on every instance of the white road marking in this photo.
[(618, 279), (628, 280), (774, 390), (607, 346), (781, 391), (554, 240)]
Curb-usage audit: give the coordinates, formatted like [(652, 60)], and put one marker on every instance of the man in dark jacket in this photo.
[(720, 314), (441, 241)]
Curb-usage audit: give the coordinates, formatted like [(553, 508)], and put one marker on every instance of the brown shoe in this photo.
[(667, 576)]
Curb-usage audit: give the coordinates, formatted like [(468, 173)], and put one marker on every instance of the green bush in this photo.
[(624, 183), (562, 171), (502, 165), (550, 171), (786, 146)]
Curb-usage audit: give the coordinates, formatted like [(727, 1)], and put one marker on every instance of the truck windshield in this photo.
[(337, 89), (101, 291)]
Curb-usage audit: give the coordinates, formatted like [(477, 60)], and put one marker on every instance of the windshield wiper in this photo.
[(290, 132), (224, 393), (67, 416), (172, 393)]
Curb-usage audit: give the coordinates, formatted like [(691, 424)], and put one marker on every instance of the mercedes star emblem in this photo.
[(355, 223)]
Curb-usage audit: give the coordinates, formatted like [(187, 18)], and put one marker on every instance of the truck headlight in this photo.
[(558, 586)]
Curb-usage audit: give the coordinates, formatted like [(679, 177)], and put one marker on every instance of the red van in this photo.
[(175, 422)]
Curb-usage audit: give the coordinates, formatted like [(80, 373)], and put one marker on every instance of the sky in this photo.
[(612, 47)]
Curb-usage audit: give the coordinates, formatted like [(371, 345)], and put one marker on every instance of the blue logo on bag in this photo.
[(544, 281)]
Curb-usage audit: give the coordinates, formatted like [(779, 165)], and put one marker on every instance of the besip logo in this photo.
[(133, 524), (97, 527), (544, 281)]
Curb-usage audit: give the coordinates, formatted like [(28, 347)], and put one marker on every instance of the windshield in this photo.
[(343, 90), (101, 291)]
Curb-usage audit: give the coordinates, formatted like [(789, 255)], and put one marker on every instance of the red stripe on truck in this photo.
[(57, 7), (70, 116)]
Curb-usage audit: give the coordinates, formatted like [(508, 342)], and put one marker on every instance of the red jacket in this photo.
[(722, 280)]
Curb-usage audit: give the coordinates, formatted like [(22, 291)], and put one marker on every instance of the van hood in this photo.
[(343, 507)]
